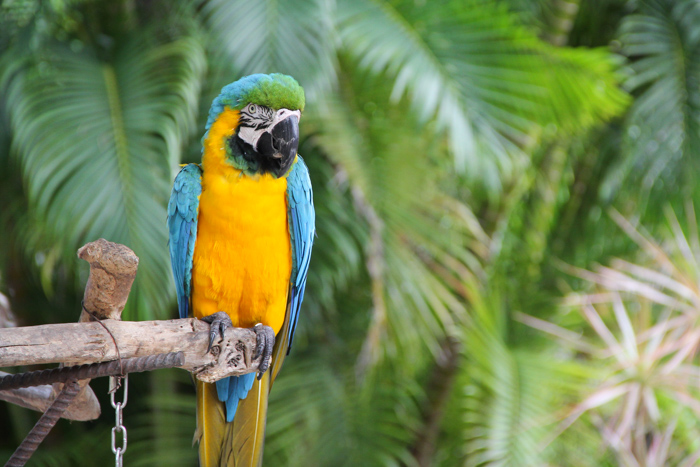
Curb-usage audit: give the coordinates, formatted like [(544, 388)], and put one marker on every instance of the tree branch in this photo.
[(112, 272), (92, 342)]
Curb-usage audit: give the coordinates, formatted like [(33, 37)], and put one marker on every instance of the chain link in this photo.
[(115, 382)]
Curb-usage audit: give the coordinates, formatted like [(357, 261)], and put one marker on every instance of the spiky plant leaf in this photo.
[(98, 143)]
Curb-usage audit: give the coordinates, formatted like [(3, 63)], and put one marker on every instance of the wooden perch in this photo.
[(112, 272), (91, 342), (40, 397)]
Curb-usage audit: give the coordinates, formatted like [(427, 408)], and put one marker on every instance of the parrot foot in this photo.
[(219, 322), (265, 344)]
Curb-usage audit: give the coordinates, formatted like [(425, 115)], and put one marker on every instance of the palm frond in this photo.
[(161, 425), (308, 421), (338, 257), (483, 77), (662, 41), (318, 415), (386, 159), (291, 36), (502, 401), (98, 142)]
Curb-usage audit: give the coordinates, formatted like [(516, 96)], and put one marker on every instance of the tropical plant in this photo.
[(459, 150), (646, 318)]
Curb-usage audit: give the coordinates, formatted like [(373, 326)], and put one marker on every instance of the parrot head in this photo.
[(266, 136)]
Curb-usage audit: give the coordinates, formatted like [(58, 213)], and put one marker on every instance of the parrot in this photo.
[(241, 228)]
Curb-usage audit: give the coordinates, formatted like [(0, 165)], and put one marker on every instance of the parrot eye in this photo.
[(252, 108)]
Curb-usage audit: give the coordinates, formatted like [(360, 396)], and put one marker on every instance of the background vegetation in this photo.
[(507, 263)]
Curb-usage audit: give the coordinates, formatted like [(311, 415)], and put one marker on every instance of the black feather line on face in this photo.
[(263, 116), (245, 120)]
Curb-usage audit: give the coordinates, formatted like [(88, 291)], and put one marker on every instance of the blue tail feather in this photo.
[(232, 389)]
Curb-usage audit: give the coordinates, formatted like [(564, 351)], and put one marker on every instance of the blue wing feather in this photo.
[(183, 208), (302, 220)]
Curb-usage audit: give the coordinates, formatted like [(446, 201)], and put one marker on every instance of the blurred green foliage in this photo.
[(465, 155)]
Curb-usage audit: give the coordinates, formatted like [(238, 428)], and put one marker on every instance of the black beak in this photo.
[(279, 145)]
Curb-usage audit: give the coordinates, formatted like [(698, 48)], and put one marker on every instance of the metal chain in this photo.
[(115, 382)]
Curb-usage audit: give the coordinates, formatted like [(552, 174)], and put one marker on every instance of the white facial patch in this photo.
[(250, 135), (256, 120)]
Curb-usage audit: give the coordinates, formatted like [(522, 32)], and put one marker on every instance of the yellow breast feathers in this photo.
[(242, 257)]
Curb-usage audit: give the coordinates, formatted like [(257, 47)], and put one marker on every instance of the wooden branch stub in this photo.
[(91, 342), (112, 272), (85, 407), (41, 397)]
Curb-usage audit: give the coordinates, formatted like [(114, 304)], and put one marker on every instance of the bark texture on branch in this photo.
[(91, 342)]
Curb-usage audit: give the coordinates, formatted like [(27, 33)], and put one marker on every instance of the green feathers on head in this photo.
[(275, 90)]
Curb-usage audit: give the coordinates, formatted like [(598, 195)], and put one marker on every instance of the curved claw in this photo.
[(219, 321), (265, 337)]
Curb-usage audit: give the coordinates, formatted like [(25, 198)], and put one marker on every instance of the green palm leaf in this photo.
[(420, 240), (318, 416), (99, 141), (485, 78), (663, 127), (308, 420), (338, 257), (504, 397), (290, 36)]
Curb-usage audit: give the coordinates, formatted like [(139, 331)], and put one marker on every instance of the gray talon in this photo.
[(265, 338), (219, 321)]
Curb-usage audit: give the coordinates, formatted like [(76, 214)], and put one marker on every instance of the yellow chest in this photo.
[(242, 258)]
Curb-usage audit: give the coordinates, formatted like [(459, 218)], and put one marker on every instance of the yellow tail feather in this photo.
[(239, 443)]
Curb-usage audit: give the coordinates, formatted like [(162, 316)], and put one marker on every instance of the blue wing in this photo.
[(302, 221), (182, 226)]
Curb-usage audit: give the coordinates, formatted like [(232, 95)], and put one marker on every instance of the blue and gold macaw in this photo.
[(241, 231)]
